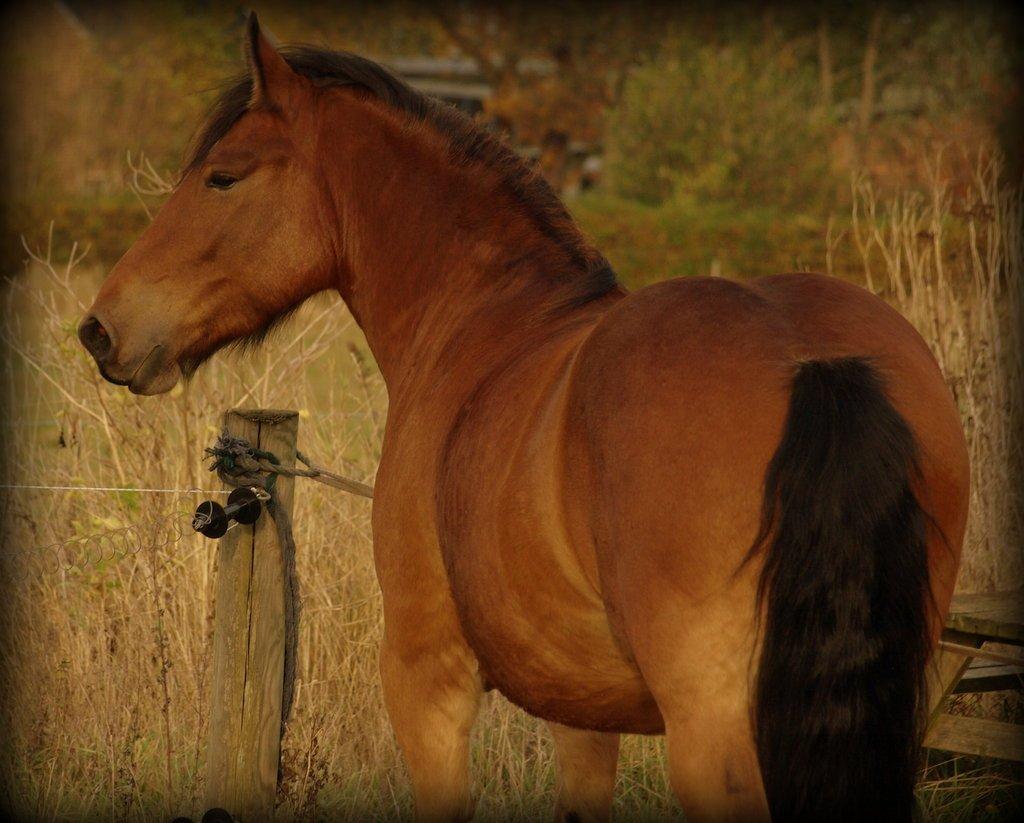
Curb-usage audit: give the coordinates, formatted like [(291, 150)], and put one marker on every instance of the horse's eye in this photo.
[(220, 180)]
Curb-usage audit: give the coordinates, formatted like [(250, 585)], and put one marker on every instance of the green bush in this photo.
[(730, 123)]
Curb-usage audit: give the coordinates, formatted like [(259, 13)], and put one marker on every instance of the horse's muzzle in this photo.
[(148, 371)]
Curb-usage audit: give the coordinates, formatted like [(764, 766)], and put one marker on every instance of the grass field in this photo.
[(106, 661)]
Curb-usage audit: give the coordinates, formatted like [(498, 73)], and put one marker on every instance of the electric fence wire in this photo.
[(95, 549), (36, 487)]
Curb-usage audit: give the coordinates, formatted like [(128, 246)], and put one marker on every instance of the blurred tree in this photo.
[(894, 85), (825, 71), (733, 122), (554, 68)]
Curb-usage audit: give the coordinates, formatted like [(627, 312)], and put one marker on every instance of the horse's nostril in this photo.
[(95, 338)]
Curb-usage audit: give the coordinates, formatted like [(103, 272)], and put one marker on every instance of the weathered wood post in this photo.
[(244, 749)]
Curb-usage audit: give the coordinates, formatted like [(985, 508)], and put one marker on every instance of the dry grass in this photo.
[(954, 266), (106, 663)]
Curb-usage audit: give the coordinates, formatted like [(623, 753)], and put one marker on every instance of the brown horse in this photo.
[(731, 512)]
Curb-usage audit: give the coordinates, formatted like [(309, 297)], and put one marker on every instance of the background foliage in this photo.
[(702, 123)]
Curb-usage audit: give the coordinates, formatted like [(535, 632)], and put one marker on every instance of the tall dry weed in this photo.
[(953, 263)]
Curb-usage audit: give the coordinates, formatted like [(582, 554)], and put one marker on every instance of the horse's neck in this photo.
[(433, 258)]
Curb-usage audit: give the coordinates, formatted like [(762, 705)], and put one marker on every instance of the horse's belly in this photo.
[(545, 642)]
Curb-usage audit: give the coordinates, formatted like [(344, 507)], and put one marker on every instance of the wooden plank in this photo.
[(993, 616), (976, 736), (989, 677), (987, 654), (943, 674), (243, 754)]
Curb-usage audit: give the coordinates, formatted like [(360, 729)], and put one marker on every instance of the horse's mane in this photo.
[(468, 144)]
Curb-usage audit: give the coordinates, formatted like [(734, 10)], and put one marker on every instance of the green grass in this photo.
[(647, 243)]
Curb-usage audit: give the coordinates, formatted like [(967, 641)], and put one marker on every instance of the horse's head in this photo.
[(240, 241)]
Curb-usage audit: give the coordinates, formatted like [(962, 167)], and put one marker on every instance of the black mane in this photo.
[(468, 144)]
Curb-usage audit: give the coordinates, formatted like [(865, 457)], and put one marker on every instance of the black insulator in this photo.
[(212, 519), (243, 506)]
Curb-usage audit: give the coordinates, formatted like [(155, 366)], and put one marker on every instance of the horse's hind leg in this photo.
[(713, 768), (585, 763), (432, 698), (696, 660)]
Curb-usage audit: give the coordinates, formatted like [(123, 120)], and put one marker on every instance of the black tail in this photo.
[(840, 687)]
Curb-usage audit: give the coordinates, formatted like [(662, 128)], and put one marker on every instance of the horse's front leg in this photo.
[(432, 692), (586, 762)]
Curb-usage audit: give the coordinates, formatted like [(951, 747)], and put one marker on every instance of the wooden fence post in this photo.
[(244, 750)]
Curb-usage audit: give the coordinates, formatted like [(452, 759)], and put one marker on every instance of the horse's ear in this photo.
[(272, 78)]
